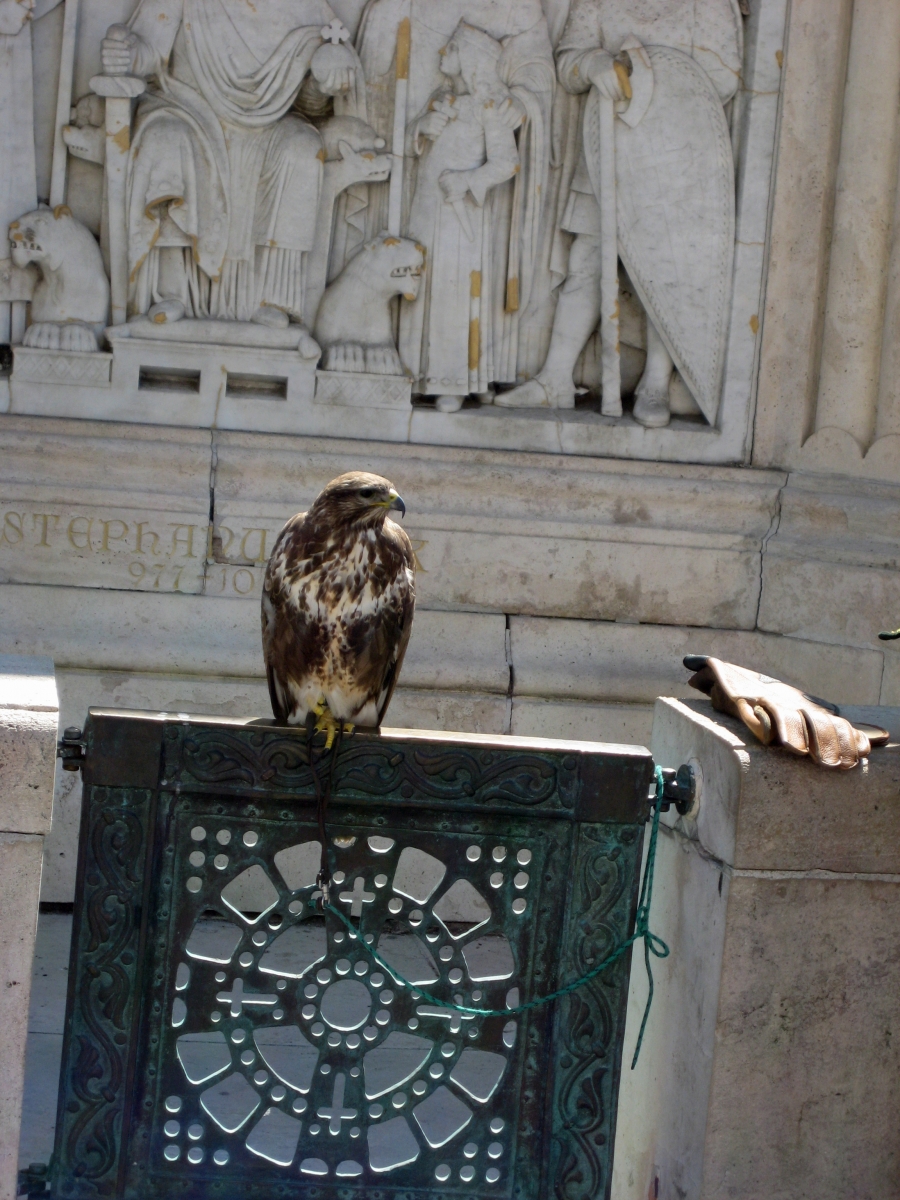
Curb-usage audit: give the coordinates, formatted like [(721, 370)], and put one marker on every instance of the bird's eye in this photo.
[(367, 493)]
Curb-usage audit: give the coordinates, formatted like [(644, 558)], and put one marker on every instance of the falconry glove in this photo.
[(781, 715)]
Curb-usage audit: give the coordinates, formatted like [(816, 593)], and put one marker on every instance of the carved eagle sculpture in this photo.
[(337, 606)]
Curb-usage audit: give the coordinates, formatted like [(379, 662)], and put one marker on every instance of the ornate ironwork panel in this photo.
[(226, 1037)]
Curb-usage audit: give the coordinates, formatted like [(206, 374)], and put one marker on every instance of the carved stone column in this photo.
[(28, 719)]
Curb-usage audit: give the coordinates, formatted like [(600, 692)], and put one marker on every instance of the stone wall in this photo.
[(769, 1064), (557, 596), (558, 589)]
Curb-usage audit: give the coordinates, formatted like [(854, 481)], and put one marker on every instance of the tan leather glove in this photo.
[(779, 714)]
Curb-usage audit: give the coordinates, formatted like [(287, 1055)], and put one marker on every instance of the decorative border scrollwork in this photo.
[(465, 775), (131, 912), (590, 1022), (107, 932)]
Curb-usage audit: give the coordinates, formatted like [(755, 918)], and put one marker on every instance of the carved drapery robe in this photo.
[(18, 183), (674, 171), (18, 190), (445, 334), (518, 211), (218, 165)]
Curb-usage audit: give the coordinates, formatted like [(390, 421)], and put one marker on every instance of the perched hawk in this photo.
[(337, 605)]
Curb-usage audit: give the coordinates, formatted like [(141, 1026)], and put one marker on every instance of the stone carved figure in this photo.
[(517, 301), (70, 304), (256, 190), (85, 137), (18, 178), (674, 181), (225, 173), (466, 142), (354, 323), (350, 149)]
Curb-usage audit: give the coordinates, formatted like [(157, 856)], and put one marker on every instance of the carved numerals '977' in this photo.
[(152, 575)]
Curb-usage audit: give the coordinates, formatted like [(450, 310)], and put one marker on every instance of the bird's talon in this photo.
[(328, 725)]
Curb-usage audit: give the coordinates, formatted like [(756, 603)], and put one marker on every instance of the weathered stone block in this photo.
[(635, 663), (28, 715), (20, 883), (203, 635), (803, 1099), (779, 895), (630, 723), (795, 816)]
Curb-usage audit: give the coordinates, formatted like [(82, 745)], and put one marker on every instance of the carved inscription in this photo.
[(225, 580), (129, 549), (90, 547)]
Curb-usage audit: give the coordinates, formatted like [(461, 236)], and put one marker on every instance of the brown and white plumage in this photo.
[(337, 604)]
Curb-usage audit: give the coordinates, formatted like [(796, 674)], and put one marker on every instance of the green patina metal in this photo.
[(243, 1043)]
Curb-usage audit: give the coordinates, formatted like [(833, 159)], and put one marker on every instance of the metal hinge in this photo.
[(70, 749), (34, 1178), (679, 788)]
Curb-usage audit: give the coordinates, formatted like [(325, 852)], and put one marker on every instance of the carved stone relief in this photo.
[(524, 211)]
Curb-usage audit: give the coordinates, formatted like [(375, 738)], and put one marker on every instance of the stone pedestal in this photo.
[(28, 721), (770, 1063)]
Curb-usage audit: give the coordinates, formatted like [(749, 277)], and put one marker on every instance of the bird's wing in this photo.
[(276, 624), (399, 624)]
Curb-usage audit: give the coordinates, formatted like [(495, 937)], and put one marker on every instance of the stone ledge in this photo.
[(28, 728), (28, 683), (579, 721), (287, 472), (102, 507)]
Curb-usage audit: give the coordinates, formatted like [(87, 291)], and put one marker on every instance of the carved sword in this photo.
[(398, 140)]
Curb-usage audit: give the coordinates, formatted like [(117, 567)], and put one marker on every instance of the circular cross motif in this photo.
[(346, 1005), (311, 1016)]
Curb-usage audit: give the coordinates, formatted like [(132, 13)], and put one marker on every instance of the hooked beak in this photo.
[(397, 503)]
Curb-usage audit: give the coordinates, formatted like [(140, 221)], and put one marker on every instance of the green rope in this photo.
[(652, 945)]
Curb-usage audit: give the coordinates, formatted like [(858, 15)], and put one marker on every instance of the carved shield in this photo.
[(675, 210)]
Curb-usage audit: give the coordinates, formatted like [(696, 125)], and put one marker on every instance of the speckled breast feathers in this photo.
[(337, 604)]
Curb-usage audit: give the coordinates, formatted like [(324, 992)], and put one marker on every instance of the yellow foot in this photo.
[(325, 723), (328, 724)]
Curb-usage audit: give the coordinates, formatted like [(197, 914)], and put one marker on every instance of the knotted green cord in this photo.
[(652, 945)]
